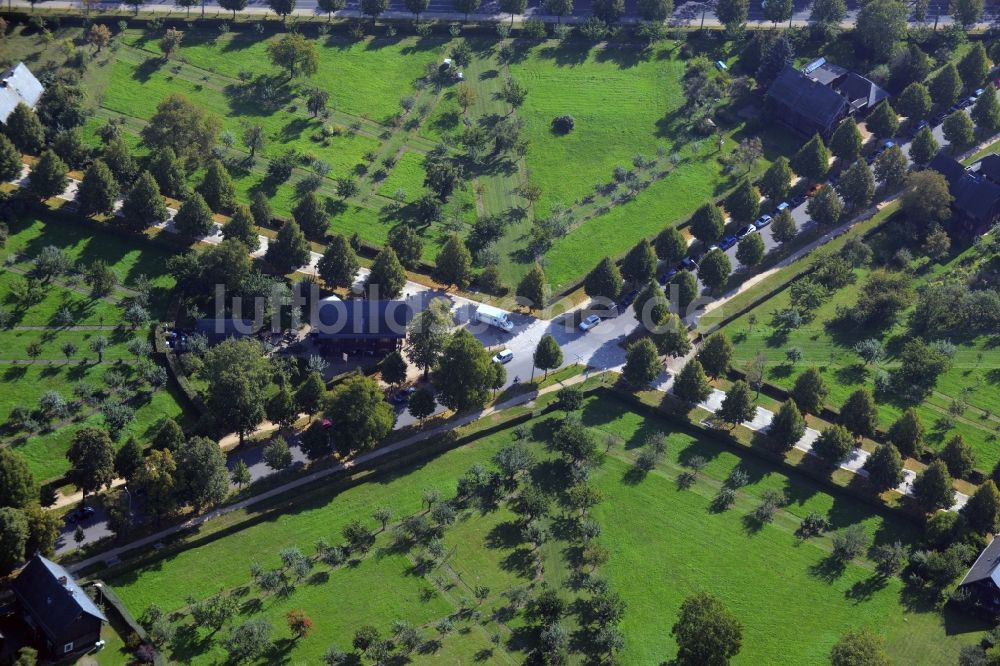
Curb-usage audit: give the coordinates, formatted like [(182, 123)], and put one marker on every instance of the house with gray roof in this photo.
[(976, 196), (982, 582), (18, 85), (56, 609)]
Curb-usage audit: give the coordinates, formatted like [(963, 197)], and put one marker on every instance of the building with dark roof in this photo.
[(218, 330), (976, 197), (56, 608), (982, 582), (816, 99), (360, 325)]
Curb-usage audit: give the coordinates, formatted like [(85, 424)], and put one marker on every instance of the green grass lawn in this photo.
[(828, 345), (665, 543)]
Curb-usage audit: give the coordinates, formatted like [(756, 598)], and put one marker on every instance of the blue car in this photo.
[(665, 278), (688, 264), (727, 242)]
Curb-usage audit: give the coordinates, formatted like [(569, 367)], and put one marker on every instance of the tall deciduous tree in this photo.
[(217, 187), (810, 391), (533, 287), (642, 363), (289, 250), (639, 265), (812, 161), (48, 176), (427, 334), (923, 147), (465, 372), (194, 219), (707, 223), (945, 86), (846, 140), (738, 405), (454, 263), (787, 427), (691, 384), (986, 112), (883, 121), (825, 207), (143, 206), (17, 484), (777, 180), (857, 185), (169, 172), (548, 355), (880, 25), (91, 459), (933, 488), (744, 201), (186, 127), (716, 355), (884, 467), (25, 130), (202, 478), (360, 415), (714, 269), (670, 245), (860, 413), (10, 160), (240, 227), (239, 378), (605, 281), (295, 54), (338, 267), (982, 511), (907, 433), (859, 647), (98, 190), (706, 632), (387, 277)]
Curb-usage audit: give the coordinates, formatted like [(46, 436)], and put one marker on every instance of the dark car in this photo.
[(403, 396), (798, 200), (938, 119), (628, 299), (665, 278), (80, 514), (727, 242), (688, 264), (746, 231), (916, 128)]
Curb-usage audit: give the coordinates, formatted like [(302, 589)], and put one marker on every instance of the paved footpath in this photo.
[(113, 554)]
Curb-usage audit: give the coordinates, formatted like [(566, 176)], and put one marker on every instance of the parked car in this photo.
[(403, 395), (665, 278), (782, 206), (721, 66), (762, 221), (938, 119), (504, 356), (916, 128), (798, 200), (688, 264), (746, 231), (727, 242), (628, 299), (589, 323), (81, 514)]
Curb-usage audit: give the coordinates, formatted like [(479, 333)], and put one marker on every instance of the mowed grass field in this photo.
[(22, 384), (627, 101), (792, 605), (827, 344)]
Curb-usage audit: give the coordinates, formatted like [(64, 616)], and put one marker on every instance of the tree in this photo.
[(945, 86), (825, 207), (408, 246), (883, 121), (454, 263), (860, 413), (884, 467), (157, 478), (169, 173), (548, 355), (17, 484), (670, 245), (310, 215), (982, 511), (48, 176), (707, 224), (91, 459), (926, 199), (183, 126), (418, 7), (861, 647), (421, 404), (331, 6), (239, 378), (716, 355), (387, 276), (254, 139), (427, 334), (812, 161), (986, 112), (714, 269), (310, 394), (240, 475), (738, 405), (778, 11), (240, 227), (809, 391), (25, 130), (685, 286), (959, 457), (295, 54), (194, 219), (13, 538), (393, 369), (299, 623), (70, 147), (691, 384), (750, 251), (233, 6), (532, 288), (119, 160), (923, 147), (639, 265), (249, 640), (202, 477), (466, 6), (605, 281), (959, 130), (891, 168), (129, 459), (374, 8), (642, 363), (172, 38), (339, 265), (99, 36), (857, 185), (289, 250), (217, 187), (465, 373), (783, 228), (10, 160), (282, 7), (846, 141), (828, 13), (777, 180), (880, 24), (277, 455), (787, 427), (915, 102), (833, 444), (280, 408), (732, 14), (933, 487), (98, 190), (143, 205), (974, 66), (560, 8), (707, 634), (743, 203)]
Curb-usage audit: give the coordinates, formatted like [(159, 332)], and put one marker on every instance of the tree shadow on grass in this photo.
[(504, 535), (520, 561), (566, 53), (865, 590), (144, 72), (829, 569)]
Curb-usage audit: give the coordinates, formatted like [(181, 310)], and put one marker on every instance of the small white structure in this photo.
[(496, 317), (18, 85)]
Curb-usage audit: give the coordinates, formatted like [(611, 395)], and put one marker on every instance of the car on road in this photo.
[(665, 278), (504, 356), (798, 200), (688, 264), (746, 231), (628, 299), (81, 514), (727, 242), (938, 119), (403, 395), (589, 323), (781, 208), (762, 221)]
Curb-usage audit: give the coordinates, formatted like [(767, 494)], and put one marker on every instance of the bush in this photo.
[(563, 124)]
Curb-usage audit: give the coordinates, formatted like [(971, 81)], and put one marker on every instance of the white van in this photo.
[(488, 314)]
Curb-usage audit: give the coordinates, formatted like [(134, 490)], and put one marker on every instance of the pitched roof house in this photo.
[(56, 608), (976, 194), (815, 99), (17, 85), (361, 324), (982, 581)]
